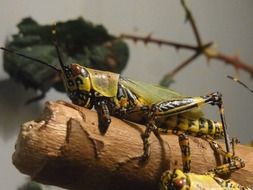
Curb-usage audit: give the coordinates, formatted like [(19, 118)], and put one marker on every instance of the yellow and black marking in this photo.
[(194, 127), (104, 118), (177, 106), (186, 153), (235, 164), (179, 180)]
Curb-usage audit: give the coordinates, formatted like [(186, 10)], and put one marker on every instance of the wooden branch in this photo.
[(64, 148)]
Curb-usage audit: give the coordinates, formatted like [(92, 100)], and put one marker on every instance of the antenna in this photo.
[(28, 57), (240, 82), (56, 46)]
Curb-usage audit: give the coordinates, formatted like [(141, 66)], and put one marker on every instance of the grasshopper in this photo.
[(160, 109), (179, 180)]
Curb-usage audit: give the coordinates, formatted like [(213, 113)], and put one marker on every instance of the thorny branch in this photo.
[(159, 42), (233, 60), (190, 18), (168, 78), (207, 50)]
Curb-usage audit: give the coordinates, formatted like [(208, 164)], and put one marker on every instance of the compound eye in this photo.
[(76, 69)]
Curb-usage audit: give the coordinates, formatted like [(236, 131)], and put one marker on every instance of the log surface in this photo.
[(65, 148)]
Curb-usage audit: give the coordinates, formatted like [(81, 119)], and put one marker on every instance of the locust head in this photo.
[(77, 83), (175, 180), (75, 78), (83, 84)]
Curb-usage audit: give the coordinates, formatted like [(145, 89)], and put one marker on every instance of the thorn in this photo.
[(135, 40), (147, 39), (149, 36)]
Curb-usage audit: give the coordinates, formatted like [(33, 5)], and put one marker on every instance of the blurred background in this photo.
[(228, 23)]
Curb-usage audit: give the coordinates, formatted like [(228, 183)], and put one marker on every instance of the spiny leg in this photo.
[(185, 151), (150, 126), (103, 116), (223, 121), (234, 163), (234, 141), (184, 144), (216, 147)]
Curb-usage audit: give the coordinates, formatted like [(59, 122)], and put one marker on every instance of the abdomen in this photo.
[(194, 127)]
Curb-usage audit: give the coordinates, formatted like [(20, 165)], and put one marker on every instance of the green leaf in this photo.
[(80, 41)]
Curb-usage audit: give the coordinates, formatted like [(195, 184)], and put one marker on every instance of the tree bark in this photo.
[(64, 148)]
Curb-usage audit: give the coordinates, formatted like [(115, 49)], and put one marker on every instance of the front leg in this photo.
[(185, 151), (150, 127), (104, 118)]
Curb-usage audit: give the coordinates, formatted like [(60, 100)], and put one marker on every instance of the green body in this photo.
[(133, 100)]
